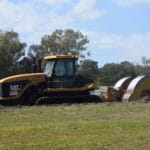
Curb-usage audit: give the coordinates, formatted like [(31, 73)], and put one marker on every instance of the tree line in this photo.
[(14, 61)]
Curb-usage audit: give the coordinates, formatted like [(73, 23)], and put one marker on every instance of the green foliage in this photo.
[(145, 68), (89, 68), (25, 65), (146, 61), (112, 126), (60, 42), (35, 50), (111, 73), (11, 49)]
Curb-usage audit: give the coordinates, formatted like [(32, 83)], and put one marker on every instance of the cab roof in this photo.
[(62, 56)]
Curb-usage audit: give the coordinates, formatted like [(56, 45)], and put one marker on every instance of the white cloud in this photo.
[(20, 17), (87, 9), (33, 19), (131, 47), (52, 2), (30, 19), (131, 2), (110, 40), (105, 40)]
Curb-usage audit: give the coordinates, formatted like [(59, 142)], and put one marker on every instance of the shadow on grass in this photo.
[(55, 101), (51, 101)]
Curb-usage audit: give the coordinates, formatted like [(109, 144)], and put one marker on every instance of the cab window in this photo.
[(64, 68)]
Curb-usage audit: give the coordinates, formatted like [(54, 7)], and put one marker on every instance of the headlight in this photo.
[(0, 90)]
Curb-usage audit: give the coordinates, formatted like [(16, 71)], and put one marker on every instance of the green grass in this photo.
[(107, 126)]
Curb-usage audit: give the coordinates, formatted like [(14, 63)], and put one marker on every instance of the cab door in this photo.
[(63, 74)]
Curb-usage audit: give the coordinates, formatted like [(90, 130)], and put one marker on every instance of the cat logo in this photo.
[(14, 90)]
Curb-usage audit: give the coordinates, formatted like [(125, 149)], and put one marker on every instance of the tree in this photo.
[(111, 73), (11, 49), (89, 68), (144, 69), (35, 50), (24, 65), (128, 69), (146, 61), (60, 42)]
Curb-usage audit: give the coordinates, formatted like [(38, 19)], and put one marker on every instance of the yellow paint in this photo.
[(23, 77), (35, 78), (137, 88), (60, 56), (91, 85), (87, 87)]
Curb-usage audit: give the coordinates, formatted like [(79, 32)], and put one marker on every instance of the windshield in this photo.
[(49, 68), (64, 67)]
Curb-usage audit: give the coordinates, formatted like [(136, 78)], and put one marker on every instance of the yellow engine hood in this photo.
[(32, 76)]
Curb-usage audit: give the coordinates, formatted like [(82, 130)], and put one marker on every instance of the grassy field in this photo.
[(107, 126)]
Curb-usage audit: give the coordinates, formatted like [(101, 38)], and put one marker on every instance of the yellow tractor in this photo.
[(59, 81)]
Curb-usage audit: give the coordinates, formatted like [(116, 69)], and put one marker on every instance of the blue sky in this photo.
[(118, 30)]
